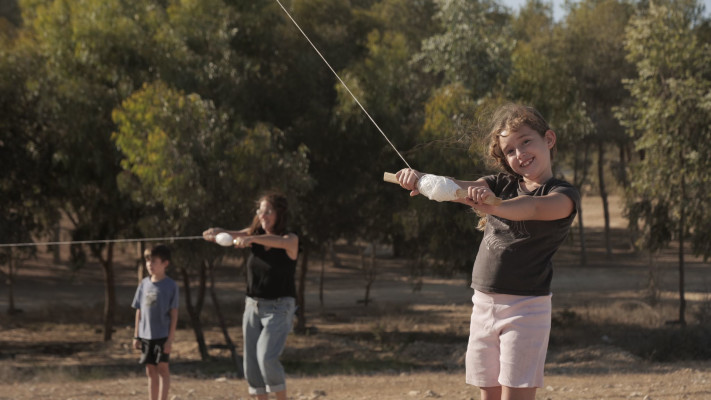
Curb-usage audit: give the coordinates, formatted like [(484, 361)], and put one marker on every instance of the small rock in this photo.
[(430, 393), (413, 393), (221, 379)]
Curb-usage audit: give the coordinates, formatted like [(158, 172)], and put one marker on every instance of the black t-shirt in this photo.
[(515, 256), (270, 273)]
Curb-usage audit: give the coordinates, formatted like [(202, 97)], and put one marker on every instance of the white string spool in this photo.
[(224, 239), (438, 188)]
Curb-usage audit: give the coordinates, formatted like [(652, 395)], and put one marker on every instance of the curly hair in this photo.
[(508, 118)]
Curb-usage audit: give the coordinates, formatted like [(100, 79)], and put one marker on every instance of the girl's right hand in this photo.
[(408, 179)]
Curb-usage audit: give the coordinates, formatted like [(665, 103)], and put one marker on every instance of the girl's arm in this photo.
[(408, 179), (288, 242), (550, 207)]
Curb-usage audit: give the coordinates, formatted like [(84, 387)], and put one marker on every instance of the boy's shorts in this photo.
[(152, 351), (508, 340)]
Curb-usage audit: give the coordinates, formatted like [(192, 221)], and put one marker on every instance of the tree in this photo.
[(669, 119), (595, 60), (183, 160), (27, 179), (542, 77)]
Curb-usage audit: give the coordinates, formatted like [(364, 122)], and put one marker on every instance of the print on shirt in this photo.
[(504, 232), (151, 297)]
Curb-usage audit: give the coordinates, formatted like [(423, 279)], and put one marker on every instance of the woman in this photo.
[(271, 294)]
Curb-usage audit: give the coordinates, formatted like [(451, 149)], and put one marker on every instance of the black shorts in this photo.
[(152, 351)]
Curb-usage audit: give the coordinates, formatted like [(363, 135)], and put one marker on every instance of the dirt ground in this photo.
[(407, 344)]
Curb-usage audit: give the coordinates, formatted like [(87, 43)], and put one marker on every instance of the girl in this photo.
[(511, 316), (271, 293)]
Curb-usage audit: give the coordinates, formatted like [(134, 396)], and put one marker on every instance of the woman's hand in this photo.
[(243, 241), (408, 179), (210, 234)]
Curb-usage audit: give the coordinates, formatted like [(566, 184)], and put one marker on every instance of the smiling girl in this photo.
[(511, 277), (271, 293)]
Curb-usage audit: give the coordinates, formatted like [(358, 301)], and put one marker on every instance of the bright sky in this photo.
[(558, 10)]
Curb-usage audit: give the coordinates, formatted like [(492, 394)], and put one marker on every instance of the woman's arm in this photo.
[(209, 234), (288, 242)]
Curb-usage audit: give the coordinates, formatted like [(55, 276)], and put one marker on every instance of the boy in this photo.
[(156, 304)]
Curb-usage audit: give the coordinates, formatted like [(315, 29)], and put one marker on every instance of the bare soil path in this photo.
[(408, 344)]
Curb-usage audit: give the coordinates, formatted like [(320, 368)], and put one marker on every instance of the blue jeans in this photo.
[(265, 326)]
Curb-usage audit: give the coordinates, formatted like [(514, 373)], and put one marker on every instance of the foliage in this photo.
[(669, 119), (167, 116)]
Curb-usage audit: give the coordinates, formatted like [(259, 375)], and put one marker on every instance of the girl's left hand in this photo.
[(243, 241), (476, 196)]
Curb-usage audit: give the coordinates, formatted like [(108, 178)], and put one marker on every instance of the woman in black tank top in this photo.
[(271, 291)]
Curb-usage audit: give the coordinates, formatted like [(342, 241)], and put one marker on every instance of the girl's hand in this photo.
[(136, 344), (476, 196), (243, 241), (167, 347), (408, 179)]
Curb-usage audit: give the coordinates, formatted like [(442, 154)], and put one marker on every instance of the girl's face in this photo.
[(267, 216), (528, 153)]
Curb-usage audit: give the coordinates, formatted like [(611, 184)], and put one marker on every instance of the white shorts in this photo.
[(508, 340)]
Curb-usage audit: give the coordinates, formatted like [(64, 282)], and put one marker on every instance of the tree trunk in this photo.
[(141, 263), (10, 280), (580, 173), (195, 310), (321, 279), (368, 273), (583, 245), (334, 257), (682, 229), (109, 291), (603, 196), (223, 326), (300, 300), (56, 236)]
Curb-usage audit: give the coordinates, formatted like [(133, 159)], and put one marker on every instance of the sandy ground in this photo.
[(670, 382), (64, 354)]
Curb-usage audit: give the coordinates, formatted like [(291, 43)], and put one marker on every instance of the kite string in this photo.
[(343, 83), (200, 237), (155, 239)]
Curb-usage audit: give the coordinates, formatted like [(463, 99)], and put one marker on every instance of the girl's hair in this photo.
[(280, 205), (511, 117)]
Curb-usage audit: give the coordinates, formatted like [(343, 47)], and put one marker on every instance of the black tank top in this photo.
[(270, 273)]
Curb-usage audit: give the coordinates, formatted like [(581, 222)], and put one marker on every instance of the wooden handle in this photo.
[(390, 177), (461, 193), (491, 200)]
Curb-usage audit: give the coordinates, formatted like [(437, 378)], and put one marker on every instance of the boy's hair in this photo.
[(161, 251), (511, 117), (279, 203)]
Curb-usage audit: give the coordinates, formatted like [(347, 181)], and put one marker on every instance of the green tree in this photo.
[(541, 76), (595, 60), (28, 173), (669, 119), (186, 163)]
